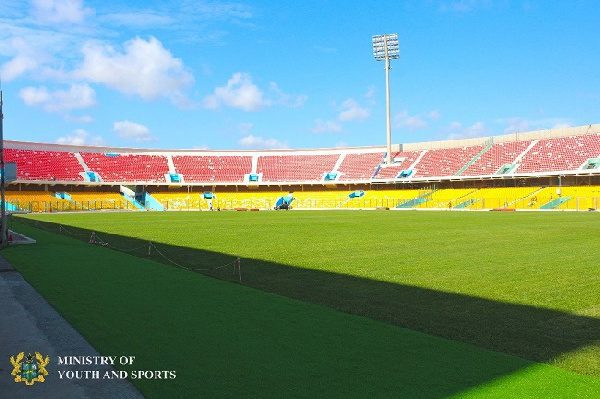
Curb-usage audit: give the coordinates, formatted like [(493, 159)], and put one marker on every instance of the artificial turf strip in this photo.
[(227, 340), (523, 283)]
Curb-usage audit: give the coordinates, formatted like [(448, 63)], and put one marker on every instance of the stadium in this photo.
[(456, 263), (107, 217), (544, 170)]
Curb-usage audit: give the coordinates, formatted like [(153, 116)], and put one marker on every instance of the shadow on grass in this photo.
[(529, 332)]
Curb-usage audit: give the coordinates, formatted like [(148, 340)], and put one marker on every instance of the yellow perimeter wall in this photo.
[(580, 198), (576, 198)]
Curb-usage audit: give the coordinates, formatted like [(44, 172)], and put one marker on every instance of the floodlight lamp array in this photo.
[(380, 42)]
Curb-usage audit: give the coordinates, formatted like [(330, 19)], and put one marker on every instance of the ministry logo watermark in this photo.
[(73, 365), (31, 369)]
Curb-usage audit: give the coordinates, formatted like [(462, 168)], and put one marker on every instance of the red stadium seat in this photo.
[(127, 167), (560, 154), (45, 165), (500, 154), (445, 161), (275, 168), (209, 168)]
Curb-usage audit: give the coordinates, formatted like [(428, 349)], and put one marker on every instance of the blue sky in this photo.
[(298, 74)]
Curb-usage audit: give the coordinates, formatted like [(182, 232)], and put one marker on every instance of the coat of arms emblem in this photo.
[(29, 369)]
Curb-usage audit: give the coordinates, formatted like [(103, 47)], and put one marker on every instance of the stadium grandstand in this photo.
[(549, 169)]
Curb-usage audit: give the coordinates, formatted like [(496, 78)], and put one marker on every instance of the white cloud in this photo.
[(39, 52), (251, 141), (138, 19), (132, 131), (60, 11), (79, 118), (415, 122), (220, 10), (411, 122), (17, 66), (144, 68), (352, 111), (285, 99), (24, 57), (245, 127), (80, 137), (518, 124), (78, 96), (239, 92), (434, 115), (370, 94), (322, 126), (477, 129), (464, 6)]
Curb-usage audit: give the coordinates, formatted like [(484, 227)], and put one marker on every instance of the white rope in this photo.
[(97, 240)]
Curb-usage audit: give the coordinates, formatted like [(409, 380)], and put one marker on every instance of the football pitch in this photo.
[(332, 303)]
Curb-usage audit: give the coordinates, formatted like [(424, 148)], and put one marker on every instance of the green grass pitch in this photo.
[(336, 304)]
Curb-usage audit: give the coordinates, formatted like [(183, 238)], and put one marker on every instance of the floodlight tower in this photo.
[(385, 48)]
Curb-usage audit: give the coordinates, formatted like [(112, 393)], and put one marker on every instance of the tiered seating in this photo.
[(507, 197), (99, 200), (30, 196), (563, 153), (582, 198), (557, 155), (37, 201), (445, 161), (210, 168), (499, 155), (44, 165), (447, 198), (303, 199), (390, 172), (295, 167), (223, 200), (127, 167), (360, 166)]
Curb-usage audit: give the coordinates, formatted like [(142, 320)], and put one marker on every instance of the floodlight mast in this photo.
[(385, 48)]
